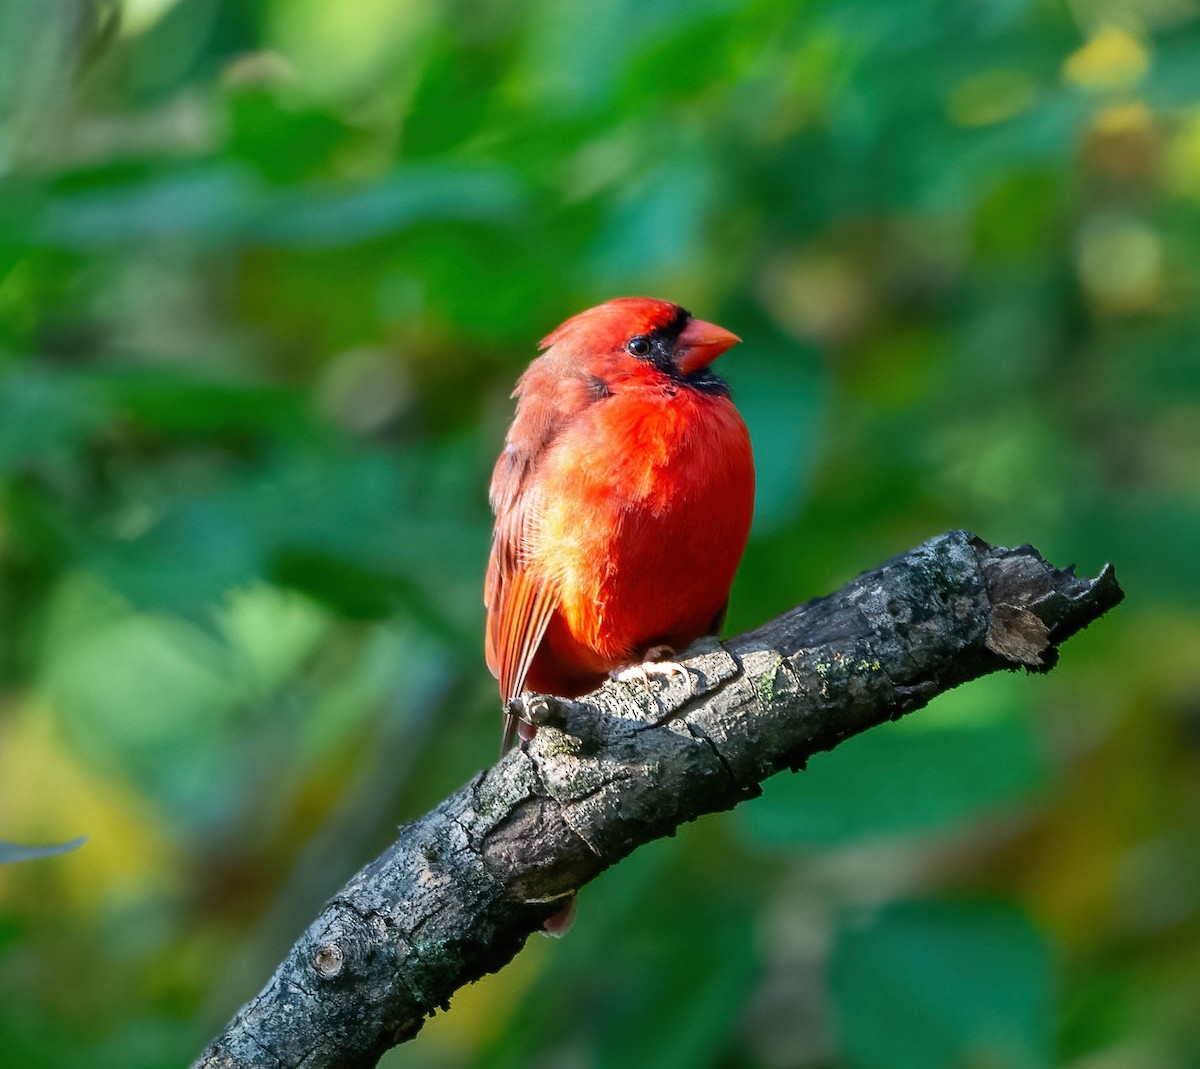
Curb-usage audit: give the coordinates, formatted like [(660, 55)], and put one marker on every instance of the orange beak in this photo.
[(700, 343)]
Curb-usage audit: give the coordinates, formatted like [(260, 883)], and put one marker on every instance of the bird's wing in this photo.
[(519, 607), (519, 604)]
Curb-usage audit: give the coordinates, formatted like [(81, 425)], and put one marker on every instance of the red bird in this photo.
[(623, 501)]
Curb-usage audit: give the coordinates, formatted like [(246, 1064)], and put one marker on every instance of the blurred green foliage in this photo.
[(268, 270)]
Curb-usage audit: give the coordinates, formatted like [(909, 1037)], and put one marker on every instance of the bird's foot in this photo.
[(529, 711), (656, 661), (538, 710)]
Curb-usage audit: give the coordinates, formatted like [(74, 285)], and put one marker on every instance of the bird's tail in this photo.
[(510, 733)]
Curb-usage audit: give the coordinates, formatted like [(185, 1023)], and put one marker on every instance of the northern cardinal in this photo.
[(623, 501)]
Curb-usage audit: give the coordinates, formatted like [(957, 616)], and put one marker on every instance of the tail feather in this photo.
[(510, 732)]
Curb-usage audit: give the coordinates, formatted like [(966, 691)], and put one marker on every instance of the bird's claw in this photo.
[(525, 713), (655, 663), (537, 710)]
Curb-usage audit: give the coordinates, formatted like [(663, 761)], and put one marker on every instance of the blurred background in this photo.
[(268, 272)]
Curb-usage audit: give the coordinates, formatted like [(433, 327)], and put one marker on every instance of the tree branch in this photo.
[(460, 890)]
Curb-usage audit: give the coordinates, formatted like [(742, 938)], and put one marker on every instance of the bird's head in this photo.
[(636, 332)]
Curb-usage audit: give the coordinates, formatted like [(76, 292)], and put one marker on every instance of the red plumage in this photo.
[(623, 499)]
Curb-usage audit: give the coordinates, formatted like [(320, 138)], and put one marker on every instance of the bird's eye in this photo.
[(638, 346)]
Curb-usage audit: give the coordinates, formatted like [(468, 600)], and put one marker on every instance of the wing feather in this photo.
[(519, 609), (520, 603)]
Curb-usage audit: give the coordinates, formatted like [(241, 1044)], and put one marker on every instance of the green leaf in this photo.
[(46, 415), (654, 974), (897, 779), (656, 226), (783, 398), (190, 404), (230, 204), (943, 986)]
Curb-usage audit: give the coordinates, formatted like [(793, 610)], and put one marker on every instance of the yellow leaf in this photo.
[(1183, 160), (50, 795), (1112, 60)]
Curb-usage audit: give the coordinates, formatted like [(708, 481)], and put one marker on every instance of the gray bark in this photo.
[(459, 891)]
